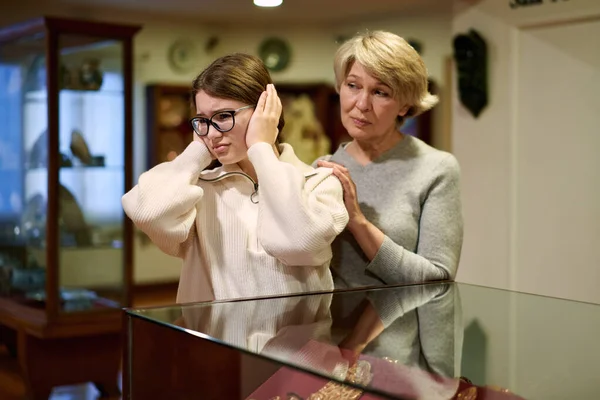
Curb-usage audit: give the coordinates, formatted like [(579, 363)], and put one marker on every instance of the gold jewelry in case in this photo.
[(359, 374), (468, 394)]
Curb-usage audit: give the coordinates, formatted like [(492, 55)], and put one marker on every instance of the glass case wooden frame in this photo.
[(55, 327)]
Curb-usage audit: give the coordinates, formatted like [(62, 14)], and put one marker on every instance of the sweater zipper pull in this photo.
[(254, 195)]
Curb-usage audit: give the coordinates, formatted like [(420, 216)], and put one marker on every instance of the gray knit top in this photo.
[(412, 194)]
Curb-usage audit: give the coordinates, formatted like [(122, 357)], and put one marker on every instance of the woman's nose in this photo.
[(363, 102)]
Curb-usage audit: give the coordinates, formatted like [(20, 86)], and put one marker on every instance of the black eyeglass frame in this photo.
[(209, 122)]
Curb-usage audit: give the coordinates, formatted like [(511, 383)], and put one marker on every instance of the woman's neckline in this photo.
[(397, 147)]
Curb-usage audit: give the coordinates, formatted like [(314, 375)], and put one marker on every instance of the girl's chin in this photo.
[(228, 159)]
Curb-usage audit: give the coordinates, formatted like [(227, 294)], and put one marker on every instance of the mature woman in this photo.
[(402, 196), (260, 224)]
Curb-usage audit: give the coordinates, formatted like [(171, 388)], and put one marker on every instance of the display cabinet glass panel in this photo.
[(23, 162), (92, 173)]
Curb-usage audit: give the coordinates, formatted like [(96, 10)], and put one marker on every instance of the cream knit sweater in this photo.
[(235, 242)]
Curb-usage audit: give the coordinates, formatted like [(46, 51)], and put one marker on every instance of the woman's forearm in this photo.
[(367, 235)]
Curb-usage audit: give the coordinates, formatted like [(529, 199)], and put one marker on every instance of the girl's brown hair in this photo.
[(241, 77)]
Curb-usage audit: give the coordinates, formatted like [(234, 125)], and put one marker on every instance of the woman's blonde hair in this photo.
[(390, 59)]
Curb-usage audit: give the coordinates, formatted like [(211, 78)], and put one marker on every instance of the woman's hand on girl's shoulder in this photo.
[(349, 187)]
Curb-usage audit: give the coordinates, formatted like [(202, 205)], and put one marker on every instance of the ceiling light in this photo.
[(268, 3)]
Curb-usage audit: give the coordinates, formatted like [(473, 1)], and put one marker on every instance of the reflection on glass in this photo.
[(23, 146), (404, 343), (433, 341)]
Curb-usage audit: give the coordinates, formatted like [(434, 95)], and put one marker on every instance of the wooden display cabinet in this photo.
[(65, 161)]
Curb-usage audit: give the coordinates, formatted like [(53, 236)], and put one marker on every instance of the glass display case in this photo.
[(65, 162), (430, 341)]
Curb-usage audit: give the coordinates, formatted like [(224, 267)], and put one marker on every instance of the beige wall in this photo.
[(530, 195), (496, 159)]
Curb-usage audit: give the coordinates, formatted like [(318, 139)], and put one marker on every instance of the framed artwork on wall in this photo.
[(168, 110), (312, 119)]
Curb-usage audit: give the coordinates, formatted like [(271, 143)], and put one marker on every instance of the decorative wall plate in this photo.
[(275, 53), (182, 55)]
